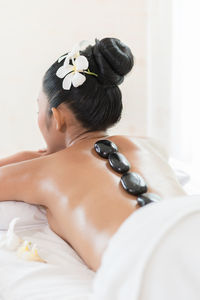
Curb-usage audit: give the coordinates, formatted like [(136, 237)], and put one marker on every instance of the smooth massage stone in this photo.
[(105, 147), (119, 162), (147, 198), (133, 183)]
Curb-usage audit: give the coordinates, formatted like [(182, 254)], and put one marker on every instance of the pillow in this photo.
[(30, 215), (180, 169)]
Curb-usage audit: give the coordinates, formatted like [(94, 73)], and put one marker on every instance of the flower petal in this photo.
[(61, 58), (12, 224), (84, 44), (64, 70), (81, 63), (74, 52), (69, 68), (78, 79), (67, 81), (66, 61)]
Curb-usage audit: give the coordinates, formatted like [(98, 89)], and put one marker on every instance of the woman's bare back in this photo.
[(86, 203)]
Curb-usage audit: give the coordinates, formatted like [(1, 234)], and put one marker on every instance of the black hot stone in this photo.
[(118, 162), (105, 147), (133, 183), (147, 198)]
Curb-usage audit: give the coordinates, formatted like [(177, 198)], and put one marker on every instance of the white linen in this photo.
[(64, 276), (155, 254), (29, 215), (181, 174)]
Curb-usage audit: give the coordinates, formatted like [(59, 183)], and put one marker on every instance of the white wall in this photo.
[(159, 66), (34, 34), (185, 142)]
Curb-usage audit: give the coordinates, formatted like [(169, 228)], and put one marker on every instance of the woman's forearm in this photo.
[(17, 157), (20, 156)]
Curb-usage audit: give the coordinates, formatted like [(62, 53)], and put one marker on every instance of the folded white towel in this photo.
[(155, 254)]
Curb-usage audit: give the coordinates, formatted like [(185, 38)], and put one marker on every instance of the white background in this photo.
[(34, 34), (160, 95)]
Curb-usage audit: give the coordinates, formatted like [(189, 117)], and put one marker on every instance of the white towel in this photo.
[(155, 254)]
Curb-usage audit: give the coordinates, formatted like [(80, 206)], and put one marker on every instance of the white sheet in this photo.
[(65, 276), (155, 254), (29, 215)]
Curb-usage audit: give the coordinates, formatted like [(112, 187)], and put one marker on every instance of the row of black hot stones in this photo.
[(132, 182)]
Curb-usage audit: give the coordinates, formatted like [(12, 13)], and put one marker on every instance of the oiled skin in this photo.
[(85, 201)]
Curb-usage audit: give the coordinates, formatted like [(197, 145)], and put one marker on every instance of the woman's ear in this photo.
[(57, 116)]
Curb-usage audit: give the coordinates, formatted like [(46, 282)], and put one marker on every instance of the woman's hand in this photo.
[(43, 151), (34, 154)]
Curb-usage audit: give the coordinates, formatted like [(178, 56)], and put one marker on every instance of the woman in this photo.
[(85, 201)]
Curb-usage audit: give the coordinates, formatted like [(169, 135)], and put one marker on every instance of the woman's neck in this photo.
[(85, 136)]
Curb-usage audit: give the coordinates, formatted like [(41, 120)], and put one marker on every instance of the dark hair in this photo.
[(97, 103)]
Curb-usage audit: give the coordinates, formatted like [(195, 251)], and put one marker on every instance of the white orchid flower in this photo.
[(75, 50), (29, 251), (72, 72), (25, 249), (10, 240)]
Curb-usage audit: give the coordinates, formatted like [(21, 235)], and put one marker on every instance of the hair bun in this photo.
[(113, 59)]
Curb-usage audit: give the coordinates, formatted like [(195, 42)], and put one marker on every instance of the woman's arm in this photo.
[(21, 156), (19, 181)]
